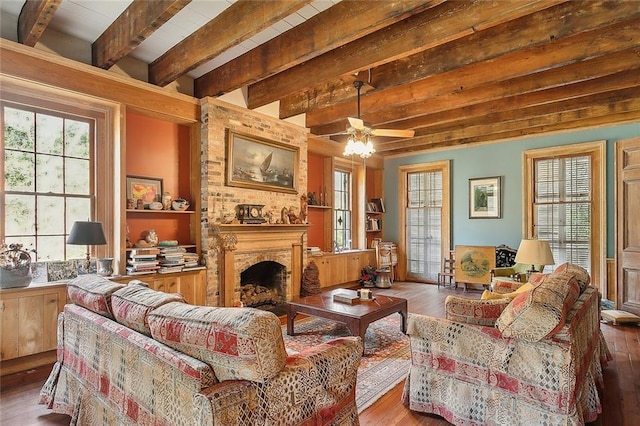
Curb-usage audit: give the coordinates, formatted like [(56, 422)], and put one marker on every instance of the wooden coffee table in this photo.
[(356, 317)]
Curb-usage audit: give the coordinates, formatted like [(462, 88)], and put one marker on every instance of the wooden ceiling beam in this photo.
[(34, 18), (438, 25), (131, 28), (572, 80), (237, 23), (330, 29), (468, 126), (581, 47), (558, 22), (519, 122), (582, 124)]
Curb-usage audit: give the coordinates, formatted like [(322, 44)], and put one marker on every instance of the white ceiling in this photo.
[(86, 19)]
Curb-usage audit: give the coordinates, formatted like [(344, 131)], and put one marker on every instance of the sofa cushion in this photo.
[(93, 292), (579, 272), (131, 305), (541, 312), (238, 343)]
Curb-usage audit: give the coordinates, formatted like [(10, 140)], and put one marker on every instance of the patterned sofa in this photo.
[(129, 355), (535, 358)]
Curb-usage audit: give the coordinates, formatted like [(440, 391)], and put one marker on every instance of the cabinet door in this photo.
[(323, 275), (28, 321), (192, 286), (338, 269), (353, 267)]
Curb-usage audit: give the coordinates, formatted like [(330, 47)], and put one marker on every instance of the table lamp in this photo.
[(88, 234), (534, 252)]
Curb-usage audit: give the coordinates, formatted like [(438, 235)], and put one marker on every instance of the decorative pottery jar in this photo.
[(180, 204), (15, 266)]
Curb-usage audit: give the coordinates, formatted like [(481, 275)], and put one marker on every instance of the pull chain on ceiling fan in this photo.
[(359, 141)]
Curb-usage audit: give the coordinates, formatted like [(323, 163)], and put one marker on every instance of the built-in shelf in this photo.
[(319, 207), (161, 211)]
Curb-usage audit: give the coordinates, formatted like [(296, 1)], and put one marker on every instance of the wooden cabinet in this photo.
[(341, 268), (191, 284), (28, 323)]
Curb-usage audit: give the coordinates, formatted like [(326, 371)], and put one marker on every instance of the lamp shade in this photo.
[(87, 234), (534, 252)]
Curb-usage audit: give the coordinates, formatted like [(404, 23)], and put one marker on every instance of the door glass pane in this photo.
[(424, 224)]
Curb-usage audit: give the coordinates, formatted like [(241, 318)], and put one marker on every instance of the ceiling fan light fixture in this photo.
[(358, 143)]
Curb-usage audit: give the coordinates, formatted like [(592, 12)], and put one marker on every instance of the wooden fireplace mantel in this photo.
[(236, 239)]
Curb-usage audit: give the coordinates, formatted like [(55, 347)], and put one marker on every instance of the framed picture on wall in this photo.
[(147, 189), (485, 198), (257, 163)]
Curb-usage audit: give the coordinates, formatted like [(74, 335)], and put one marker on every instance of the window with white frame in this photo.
[(46, 179), (342, 210)]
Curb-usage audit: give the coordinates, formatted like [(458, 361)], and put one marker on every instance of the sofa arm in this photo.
[(233, 402), (474, 311)]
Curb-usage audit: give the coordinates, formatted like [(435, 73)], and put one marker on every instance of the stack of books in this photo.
[(171, 259), (191, 261), (143, 261)]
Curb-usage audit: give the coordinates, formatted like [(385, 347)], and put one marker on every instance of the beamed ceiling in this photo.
[(456, 72)]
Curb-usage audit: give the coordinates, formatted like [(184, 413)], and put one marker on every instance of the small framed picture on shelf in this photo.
[(378, 205), (147, 189)]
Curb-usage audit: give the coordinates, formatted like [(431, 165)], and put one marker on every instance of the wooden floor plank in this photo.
[(620, 400)]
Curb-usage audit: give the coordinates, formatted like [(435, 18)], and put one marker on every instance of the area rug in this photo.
[(384, 364)]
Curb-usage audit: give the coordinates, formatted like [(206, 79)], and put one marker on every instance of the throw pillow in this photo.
[(488, 295), (541, 312), (131, 305), (238, 343), (93, 292), (579, 272)]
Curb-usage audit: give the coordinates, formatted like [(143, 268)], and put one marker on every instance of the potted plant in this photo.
[(368, 276)]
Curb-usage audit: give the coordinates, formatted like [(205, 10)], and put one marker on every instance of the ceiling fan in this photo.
[(357, 124)]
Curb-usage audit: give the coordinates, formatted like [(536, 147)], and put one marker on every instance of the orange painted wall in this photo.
[(159, 149)]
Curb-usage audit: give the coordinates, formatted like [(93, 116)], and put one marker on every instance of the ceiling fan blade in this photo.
[(356, 123), (393, 133)]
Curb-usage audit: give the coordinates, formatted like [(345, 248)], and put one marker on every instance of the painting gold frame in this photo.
[(257, 163)]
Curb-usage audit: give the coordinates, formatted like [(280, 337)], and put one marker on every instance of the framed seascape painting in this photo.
[(258, 163), (485, 198), (147, 189)]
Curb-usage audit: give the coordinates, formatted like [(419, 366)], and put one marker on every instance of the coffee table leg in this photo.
[(357, 329), (403, 314), (291, 314)]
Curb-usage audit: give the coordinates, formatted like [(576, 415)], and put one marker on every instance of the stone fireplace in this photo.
[(256, 258)]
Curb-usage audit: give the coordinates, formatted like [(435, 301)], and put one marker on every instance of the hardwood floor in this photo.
[(621, 397)]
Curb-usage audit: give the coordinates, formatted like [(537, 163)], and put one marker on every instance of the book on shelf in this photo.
[(141, 263), (146, 251), (170, 269), (142, 271)]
